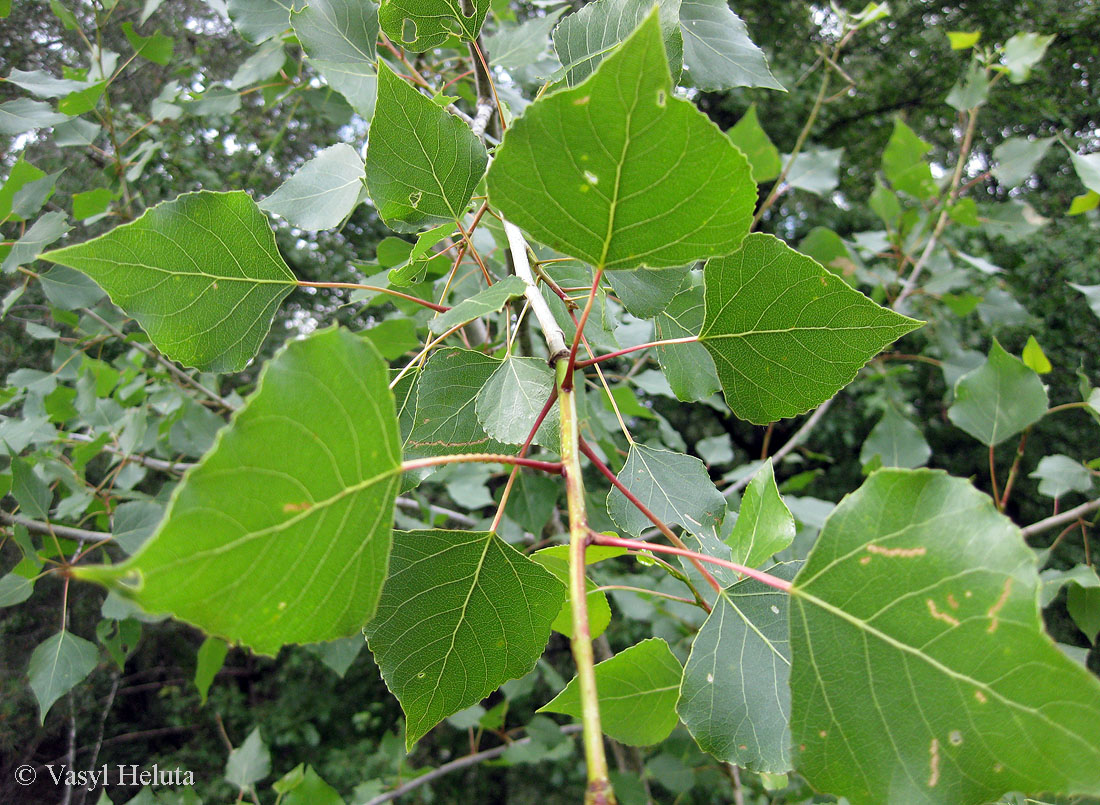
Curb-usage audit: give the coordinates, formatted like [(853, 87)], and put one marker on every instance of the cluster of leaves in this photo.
[(889, 648)]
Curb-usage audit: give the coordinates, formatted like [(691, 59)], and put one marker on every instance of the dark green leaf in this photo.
[(998, 399), (675, 487), (58, 664), (446, 420), (210, 659), (688, 367), (750, 137), (420, 25), (490, 300)]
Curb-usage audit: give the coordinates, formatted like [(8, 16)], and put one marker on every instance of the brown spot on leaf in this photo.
[(934, 763), (903, 553), (997, 605), (941, 616), (304, 506)]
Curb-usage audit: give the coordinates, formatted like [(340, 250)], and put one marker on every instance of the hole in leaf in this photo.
[(591, 178), (661, 97), (408, 31), (414, 198)]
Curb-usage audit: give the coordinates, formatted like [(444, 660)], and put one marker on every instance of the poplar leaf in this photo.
[(718, 53), (446, 420), (490, 300), (322, 193), (210, 254), (675, 487), (904, 165), (420, 25), (920, 670), (688, 367), (998, 399), (294, 550), (764, 524), (58, 664), (786, 334), (658, 186), (462, 612)]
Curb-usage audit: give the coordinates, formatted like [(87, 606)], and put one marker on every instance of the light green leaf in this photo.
[(446, 419), (963, 40), (15, 589), (1022, 52), (512, 399), (998, 399), (1017, 157), (734, 697), (423, 163), (312, 790), (647, 291), (259, 20), (688, 367), (23, 114), (420, 25), (585, 39), (904, 165), (30, 198), (31, 493), (637, 689), (786, 334), (338, 655), (816, 171), (134, 522), (718, 53), (22, 174), (1089, 200), (462, 613), (293, 551), (92, 203), (1092, 295), (1087, 167), (340, 37), (210, 659), (68, 289), (599, 611), (156, 48), (1052, 581), (490, 300), (750, 137), (661, 186), (210, 254), (1034, 357), (515, 47), (1059, 475), (827, 247), (393, 337), (764, 524), (58, 664), (920, 669), (249, 763), (42, 233), (44, 85), (260, 66), (323, 192), (675, 487), (896, 441), (972, 89)]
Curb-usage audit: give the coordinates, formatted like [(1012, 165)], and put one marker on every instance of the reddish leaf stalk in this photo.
[(601, 358), (523, 452), (567, 381)]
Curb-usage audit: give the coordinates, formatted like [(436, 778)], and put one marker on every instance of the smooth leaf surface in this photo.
[(490, 300), (675, 487), (1059, 475), (734, 697), (786, 334), (41, 234), (637, 690), (59, 663), (750, 137), (462, 613), (512, 398), (1017, 157), (294, 549), (248, 763), (446, 421), (896, 441), (647, 291), (599, 611), (620, 173), (420, 25), (423, 163), (765, 525), (718, 53), (904, 165), (516, 47), (259, 20), (920, 669), (340, 38), (210, 659), (998, 399), (23, 114), (688, 367), (322, 193), (584, 39), (200, 274)]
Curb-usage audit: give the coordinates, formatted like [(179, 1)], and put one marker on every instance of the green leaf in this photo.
[(920, 669), (294, 549), (688, 368), (58, 664), (647, 291), (584, 39), (1034, 357), (42, 233), (1083, 604), (15, 589), (1087, 167), (311, 789), (972, 89), (1022, 52), (764, 524), (462, 613), (210, 254), (750, 137), (1059, 475), (260, 66), (516, 47), (23, 114), (211, 658), (896, 442), (44, 85), (340, 38), (393, 337), (599, 611), (156, 48), (718, 53), (637, 692), (91, 203), (68, 289), (963, 40), (661, 186), (259, 20), (904, 165), (423, 163), (1092, 296), (248, 763), (786, 334), (22, 174), (512, 399), (31, 493), (816, 171), (446, 421), (1017, 158), (533, 499), (1083, 203), (675, 487), (86, 100), (420, 25), (734, 697), (490, 300), (998, 399), (826, 247), (322, 193)]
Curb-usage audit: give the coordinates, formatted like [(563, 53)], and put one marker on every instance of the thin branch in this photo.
[(1060, 519), (357, 287), (522, 452), (791, 443), (158, 464), (49, 529), (600, 358), (455, 765), (555, 338)]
